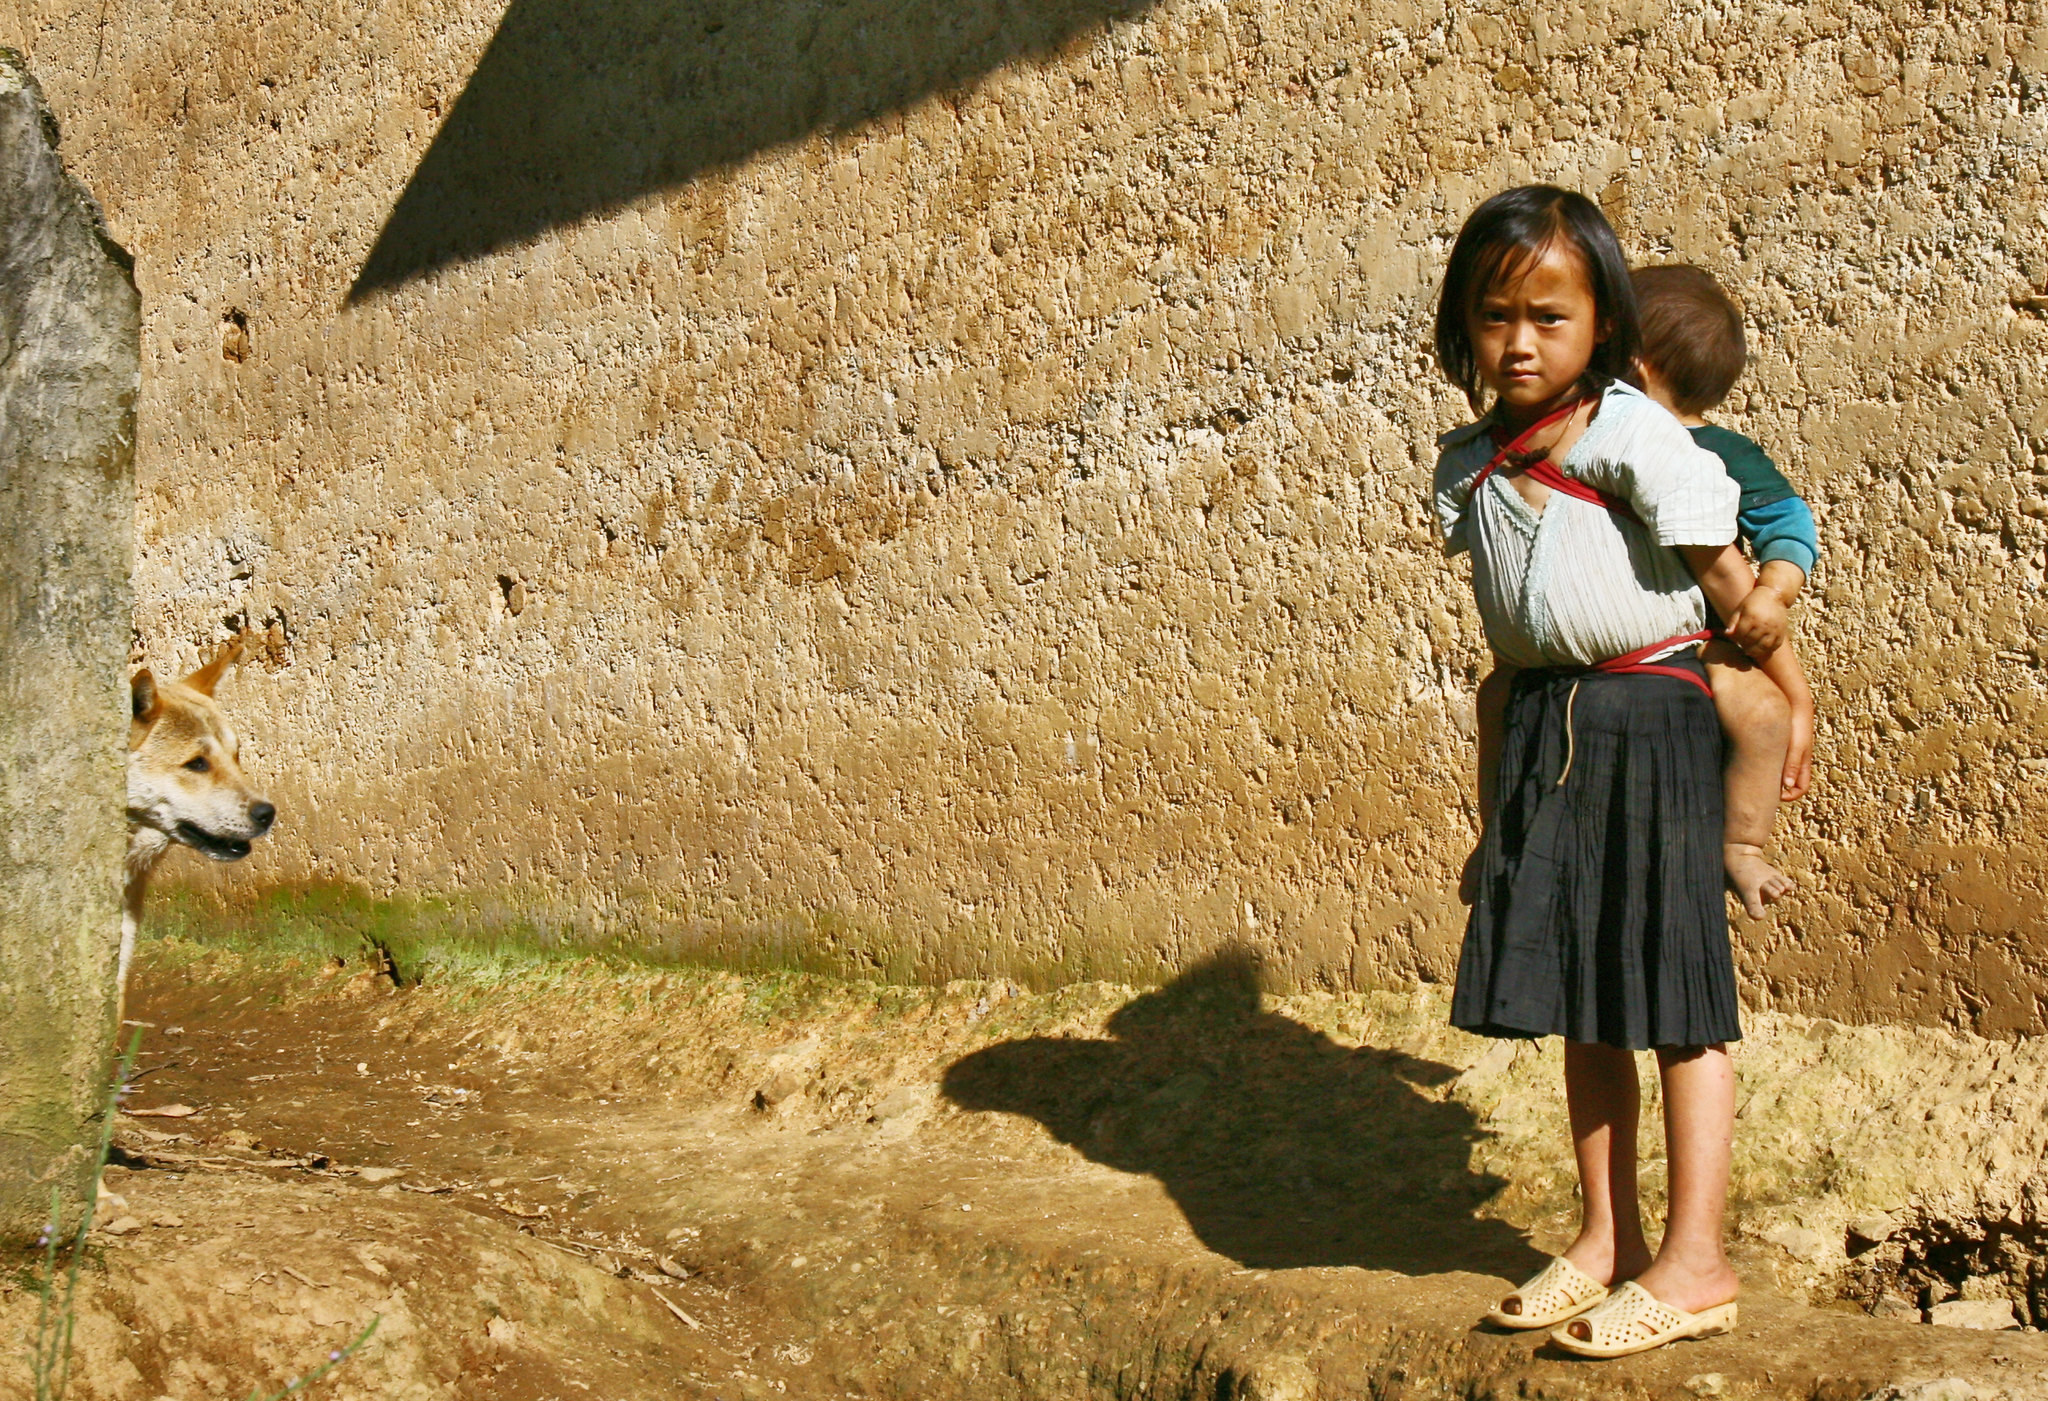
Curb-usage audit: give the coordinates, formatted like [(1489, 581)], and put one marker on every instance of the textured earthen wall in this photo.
[(944, 486)]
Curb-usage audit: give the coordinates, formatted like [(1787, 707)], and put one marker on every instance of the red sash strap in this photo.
[(1508, 449), (1546, 471), (1630, 664), (1635, 663)]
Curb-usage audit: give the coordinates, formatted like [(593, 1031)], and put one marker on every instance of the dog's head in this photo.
[(184, 778)]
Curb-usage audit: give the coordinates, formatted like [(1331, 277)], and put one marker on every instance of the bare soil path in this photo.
[(647, 1184)]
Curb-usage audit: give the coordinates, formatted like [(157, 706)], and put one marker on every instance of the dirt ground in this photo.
[(602, 1180)]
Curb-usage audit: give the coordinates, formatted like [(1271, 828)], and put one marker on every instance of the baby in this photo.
[(1692, 353)]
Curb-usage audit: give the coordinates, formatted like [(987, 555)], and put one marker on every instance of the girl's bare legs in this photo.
[(1600, 1091), (1691, 1271)]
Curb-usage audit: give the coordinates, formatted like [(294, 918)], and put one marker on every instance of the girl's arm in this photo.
[(1782, 666), (1725, 578), (1491, 713), (1492, 708)]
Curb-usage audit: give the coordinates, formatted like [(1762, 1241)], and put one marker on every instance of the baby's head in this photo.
[(1692, 351), (1536, 302)]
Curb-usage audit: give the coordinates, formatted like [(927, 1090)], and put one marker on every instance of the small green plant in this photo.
[(334, 1359), (50, 1362)]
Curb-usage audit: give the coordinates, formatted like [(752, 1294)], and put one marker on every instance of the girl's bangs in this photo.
[(1505, 262)]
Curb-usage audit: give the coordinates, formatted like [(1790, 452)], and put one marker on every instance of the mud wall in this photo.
[(68, 346), (942, 488)]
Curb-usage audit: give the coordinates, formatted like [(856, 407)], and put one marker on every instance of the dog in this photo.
[(185, 784)]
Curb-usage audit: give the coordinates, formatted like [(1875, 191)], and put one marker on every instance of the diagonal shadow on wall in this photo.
[(1283, 1148), (579, 106)]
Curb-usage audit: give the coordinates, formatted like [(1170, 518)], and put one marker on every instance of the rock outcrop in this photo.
[(69, 357)]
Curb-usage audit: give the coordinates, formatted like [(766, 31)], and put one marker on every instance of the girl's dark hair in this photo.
[(1506, 235)]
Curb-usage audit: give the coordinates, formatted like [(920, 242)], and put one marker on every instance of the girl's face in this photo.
[(1534, 332)]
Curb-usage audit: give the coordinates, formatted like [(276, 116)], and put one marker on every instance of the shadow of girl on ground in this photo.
[(1283, 1148)]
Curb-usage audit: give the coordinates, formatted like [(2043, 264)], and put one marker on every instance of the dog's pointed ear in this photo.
[(208, 676), (143, 700)]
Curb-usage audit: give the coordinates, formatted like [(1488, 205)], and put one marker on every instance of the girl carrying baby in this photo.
[(1599, 533)]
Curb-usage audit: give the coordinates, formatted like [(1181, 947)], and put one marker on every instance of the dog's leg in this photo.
[(130, 918), (146, 847)]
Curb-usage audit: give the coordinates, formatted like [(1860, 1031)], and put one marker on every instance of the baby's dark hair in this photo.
[(1692, 335), (1505, 236)]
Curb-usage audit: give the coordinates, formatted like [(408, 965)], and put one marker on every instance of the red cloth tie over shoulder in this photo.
[(1543, 469)]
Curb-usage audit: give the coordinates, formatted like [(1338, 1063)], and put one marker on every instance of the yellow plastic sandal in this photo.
[(1561, 1290), (1633, 1320)]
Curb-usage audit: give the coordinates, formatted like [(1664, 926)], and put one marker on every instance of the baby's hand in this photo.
[(1758, 625)]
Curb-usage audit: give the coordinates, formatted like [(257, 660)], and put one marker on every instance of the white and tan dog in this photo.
[(185, 783)]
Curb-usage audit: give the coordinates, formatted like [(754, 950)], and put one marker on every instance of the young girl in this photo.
[(1595, 524)]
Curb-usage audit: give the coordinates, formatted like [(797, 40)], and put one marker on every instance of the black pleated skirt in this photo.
[(1600, 913)]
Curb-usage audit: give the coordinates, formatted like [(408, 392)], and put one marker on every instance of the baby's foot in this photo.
[(1755, 881)]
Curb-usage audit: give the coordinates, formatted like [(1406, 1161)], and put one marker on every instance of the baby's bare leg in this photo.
[(1757, 719)]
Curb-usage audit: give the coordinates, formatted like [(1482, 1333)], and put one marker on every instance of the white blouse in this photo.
[(1575, 583)]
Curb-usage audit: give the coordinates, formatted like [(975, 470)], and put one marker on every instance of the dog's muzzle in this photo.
[(219, 848)]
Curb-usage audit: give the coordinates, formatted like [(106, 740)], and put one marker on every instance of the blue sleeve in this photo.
[(1782, 530)]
